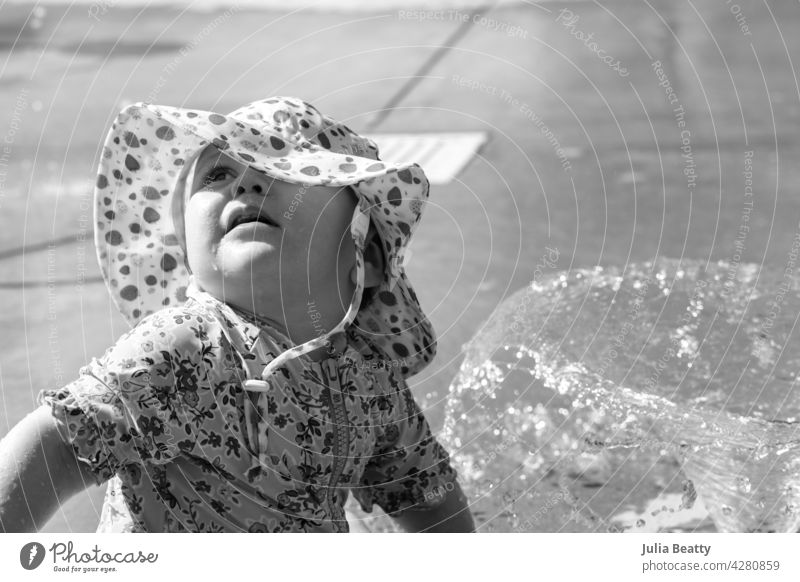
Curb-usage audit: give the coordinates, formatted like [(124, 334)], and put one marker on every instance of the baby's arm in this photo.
[(452, 515), (38, 472), (409, 475)]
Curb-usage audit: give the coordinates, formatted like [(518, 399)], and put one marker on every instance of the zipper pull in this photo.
[(333, 379)]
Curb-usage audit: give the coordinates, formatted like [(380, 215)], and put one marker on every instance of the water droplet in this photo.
[(743, 484), (726, 510), (689, 495)]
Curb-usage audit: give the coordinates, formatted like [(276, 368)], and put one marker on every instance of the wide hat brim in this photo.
[(145, 156)]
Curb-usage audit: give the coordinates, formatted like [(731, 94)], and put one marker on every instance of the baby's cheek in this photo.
[(202, 220), (203, 234)]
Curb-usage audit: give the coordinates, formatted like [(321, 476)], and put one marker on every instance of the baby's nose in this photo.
[(256, 188), (251, 181)]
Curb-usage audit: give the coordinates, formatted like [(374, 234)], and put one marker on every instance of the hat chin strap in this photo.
[(358, 229)]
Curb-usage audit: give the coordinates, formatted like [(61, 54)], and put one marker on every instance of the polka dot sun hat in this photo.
[(145, 162)]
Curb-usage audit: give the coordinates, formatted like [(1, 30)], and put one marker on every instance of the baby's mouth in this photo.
[(248, 215)]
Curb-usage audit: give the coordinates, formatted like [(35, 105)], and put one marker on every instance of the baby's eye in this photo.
[(216, 175)]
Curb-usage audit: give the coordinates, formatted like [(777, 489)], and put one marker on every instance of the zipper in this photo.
[(341, 440)]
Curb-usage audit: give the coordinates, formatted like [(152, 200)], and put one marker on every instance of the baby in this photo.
[(258, 256)]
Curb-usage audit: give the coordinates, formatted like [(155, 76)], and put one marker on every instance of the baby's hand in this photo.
[(452, 515)]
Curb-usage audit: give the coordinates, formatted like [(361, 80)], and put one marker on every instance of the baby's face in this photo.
[(258, 242)]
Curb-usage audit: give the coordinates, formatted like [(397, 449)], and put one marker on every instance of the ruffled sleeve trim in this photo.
[(76, 426), (423, 490)]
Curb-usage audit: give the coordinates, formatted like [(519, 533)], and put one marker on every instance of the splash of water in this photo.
[(658, 398)]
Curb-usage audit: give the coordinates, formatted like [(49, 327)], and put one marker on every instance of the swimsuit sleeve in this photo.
[(135, 404), (409, 469)]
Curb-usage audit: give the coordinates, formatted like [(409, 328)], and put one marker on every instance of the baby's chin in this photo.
[(248, 259)]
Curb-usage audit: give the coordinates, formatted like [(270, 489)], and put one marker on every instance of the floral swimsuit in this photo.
[(164, 416)]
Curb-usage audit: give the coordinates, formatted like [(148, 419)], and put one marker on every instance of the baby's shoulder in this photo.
[(186, 330)]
